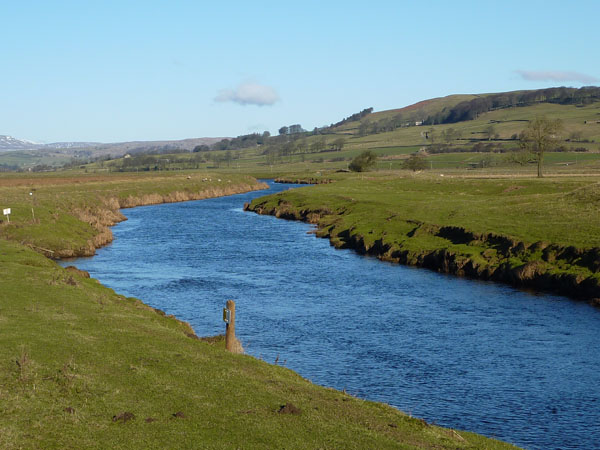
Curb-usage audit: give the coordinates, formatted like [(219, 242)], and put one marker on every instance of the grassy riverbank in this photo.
[(84, 367), (65, 215), (540, 233)]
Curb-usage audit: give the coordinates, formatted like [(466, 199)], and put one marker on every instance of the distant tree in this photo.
[(284, 130), (270, 156), (338, 144), (353, 117), (201, 148), (486, 161), (222, 144), (489, 132), (363, 162), (318, 145), (430, 135), (295, 129), (448, 135), (364, 128), (288, 149), (520, 158), (575, 136), (541, 135), (415, 162), (468, 110), (301, 146), (198, 157)]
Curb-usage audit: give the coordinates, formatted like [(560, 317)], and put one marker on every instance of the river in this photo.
[(518, 366)]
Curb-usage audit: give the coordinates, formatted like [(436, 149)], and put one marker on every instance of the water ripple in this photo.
[(461, 353)]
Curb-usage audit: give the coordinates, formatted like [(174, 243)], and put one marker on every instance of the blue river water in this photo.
[(472, 355)]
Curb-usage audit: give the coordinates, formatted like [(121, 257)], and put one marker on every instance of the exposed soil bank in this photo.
[(304, 180), (107, 214), (542, 266), (102, 217), (80, 360)]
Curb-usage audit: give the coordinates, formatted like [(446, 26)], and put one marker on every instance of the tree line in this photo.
[(276, 151), (287, 133), (471, 109), (352, 118)]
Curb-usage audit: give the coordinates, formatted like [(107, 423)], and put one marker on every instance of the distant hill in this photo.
[(66, 145), (93, 149), (9, 143), (464, 107), (423, 109), (135, 147), (409, 115)]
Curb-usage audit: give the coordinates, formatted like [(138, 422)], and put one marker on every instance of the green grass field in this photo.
[(32, 158), (84, 367), (536, 232), (394, 147), (562, 210), (69, 214)]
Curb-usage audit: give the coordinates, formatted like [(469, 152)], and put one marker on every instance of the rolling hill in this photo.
[(456, 131), (23, 154)]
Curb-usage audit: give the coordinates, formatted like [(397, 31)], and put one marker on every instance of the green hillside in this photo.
[(584, 120), (465, 131), (416, 112), (489, 142)]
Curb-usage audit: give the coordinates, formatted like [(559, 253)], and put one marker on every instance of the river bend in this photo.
[(467, 354)]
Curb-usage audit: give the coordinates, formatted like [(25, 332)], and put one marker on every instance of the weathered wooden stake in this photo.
[(230, 339)]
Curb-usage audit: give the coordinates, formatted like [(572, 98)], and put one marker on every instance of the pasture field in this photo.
[(68, 214), (84, 367), (541, 233), (470, 148)]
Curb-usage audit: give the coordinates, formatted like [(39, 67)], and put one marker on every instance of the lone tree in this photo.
[(415, 162), (338, 144), (363, 162), (540, 136), (490, 132)]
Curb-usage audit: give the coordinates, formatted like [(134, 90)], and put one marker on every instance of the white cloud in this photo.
[(555, 75), (249, 93)]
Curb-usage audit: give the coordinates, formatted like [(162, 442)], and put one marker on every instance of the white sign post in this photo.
[(7, 214)]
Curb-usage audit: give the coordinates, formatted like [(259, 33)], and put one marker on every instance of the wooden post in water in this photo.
[(230, 339)]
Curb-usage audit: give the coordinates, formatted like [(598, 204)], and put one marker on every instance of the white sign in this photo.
[(7, 211)]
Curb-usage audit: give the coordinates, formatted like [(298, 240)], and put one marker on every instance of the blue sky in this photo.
[(146, 70)]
